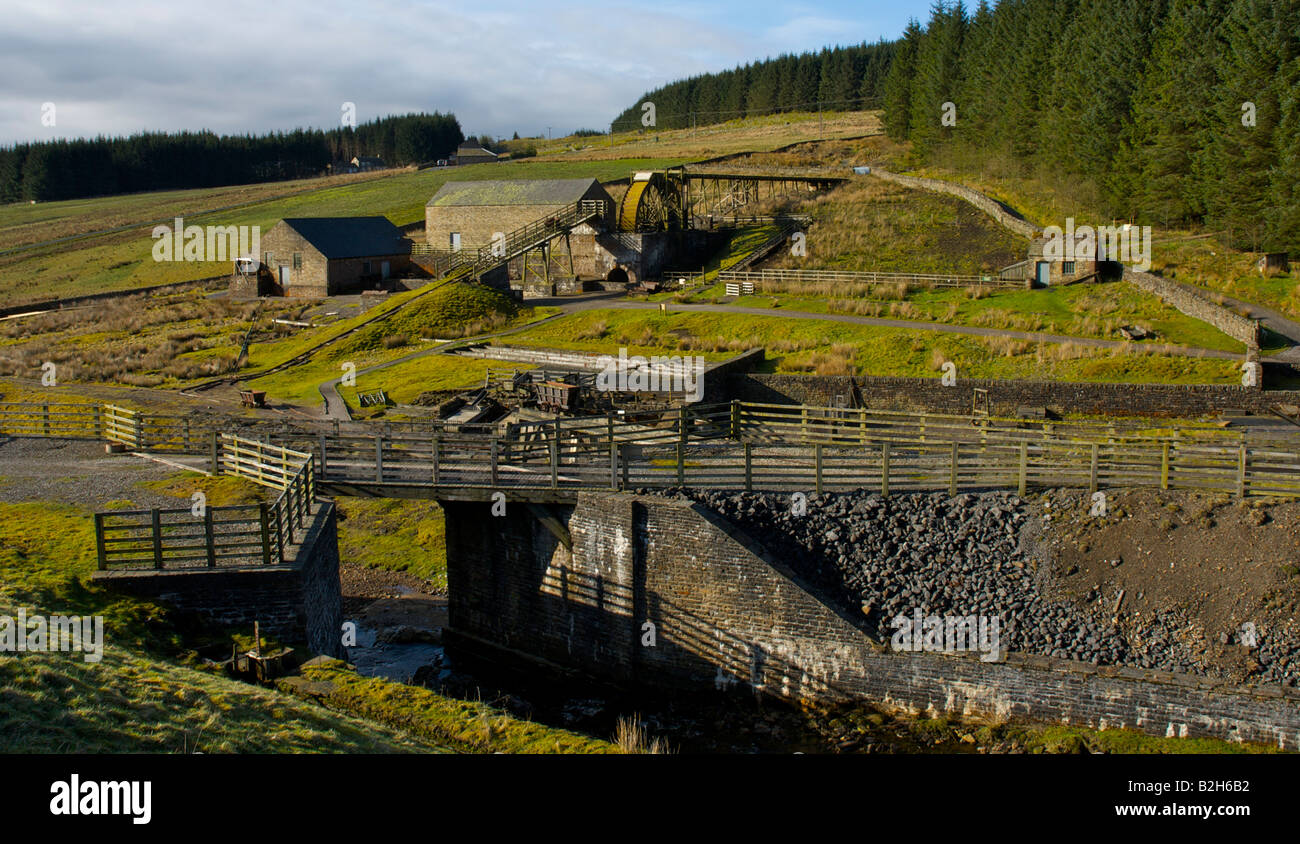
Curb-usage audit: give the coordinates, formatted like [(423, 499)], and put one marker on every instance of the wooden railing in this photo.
[(776, 281), (52, 419), (726, 446), (241, 535), (177, 538)]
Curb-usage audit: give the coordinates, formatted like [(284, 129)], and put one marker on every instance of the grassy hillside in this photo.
[(734, 136), (1193, 255), (148, 694), (123, 260), (838, 348)]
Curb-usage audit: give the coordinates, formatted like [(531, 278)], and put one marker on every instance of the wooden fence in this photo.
[(726, 446), (240, 535), (778, 281), (52, 419), (994, 463)]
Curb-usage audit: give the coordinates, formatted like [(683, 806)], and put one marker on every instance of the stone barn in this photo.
[(466, 215), (472, 152), (325, 256), (1068, 265)]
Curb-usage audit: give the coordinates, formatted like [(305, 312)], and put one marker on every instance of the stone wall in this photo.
[(1005, 397), (1198, 305), (300, 602), (1007, 220), (726, 615)]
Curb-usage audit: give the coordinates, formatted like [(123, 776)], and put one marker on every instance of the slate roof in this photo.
[(351, 237), (512, 192)]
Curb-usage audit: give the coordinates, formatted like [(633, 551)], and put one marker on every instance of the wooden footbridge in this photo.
[(735, 446)]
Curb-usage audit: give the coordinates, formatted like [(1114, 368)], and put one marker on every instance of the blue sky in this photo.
[(123, 66)]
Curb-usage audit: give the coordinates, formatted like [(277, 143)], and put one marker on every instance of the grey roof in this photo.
[(351, 237), (513, 192)]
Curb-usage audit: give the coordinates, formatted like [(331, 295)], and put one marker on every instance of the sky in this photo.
[(116, 67)]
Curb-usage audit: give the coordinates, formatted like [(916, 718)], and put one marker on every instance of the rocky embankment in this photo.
[(976, 554)]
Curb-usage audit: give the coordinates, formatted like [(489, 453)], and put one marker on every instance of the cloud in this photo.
[(245, 66)]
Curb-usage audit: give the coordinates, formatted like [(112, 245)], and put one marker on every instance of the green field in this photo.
[(124, 261), (826, 348)]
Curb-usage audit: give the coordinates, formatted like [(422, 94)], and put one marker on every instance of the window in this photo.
[(365, 268), (1067, 268), (297, 260), (455, 241), (269, 262)]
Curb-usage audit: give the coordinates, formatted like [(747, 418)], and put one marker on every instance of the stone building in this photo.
[(1067, 262), (465, 215), (472, 152), (324, 256)]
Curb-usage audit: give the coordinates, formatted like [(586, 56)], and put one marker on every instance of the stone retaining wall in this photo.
[(300, 602), (1198, 305), (928, 395), (724, 614), (989, 206)]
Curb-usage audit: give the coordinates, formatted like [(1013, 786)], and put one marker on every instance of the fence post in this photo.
[(817, 467), (1164, 466), (100, 553), (555, 463), (884, 469), (1092, 468), (437, 443), (379, 460), (322, 455), (1241, 472), (209, 539), (187, 435), (45, 418), (139, 431), (279, 531), (495, 446), (735, 419), (681, 465), (266, 533), (215, 447), (157, 539), (623, 458), (1024, 467), (952, 473), (99, 422), (613, 465), (749, 468)]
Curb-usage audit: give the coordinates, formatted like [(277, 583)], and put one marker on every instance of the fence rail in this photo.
[(776, 280), (738, 445), (241, 535)]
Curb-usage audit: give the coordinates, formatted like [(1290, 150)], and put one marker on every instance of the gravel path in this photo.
[(78, 473)]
